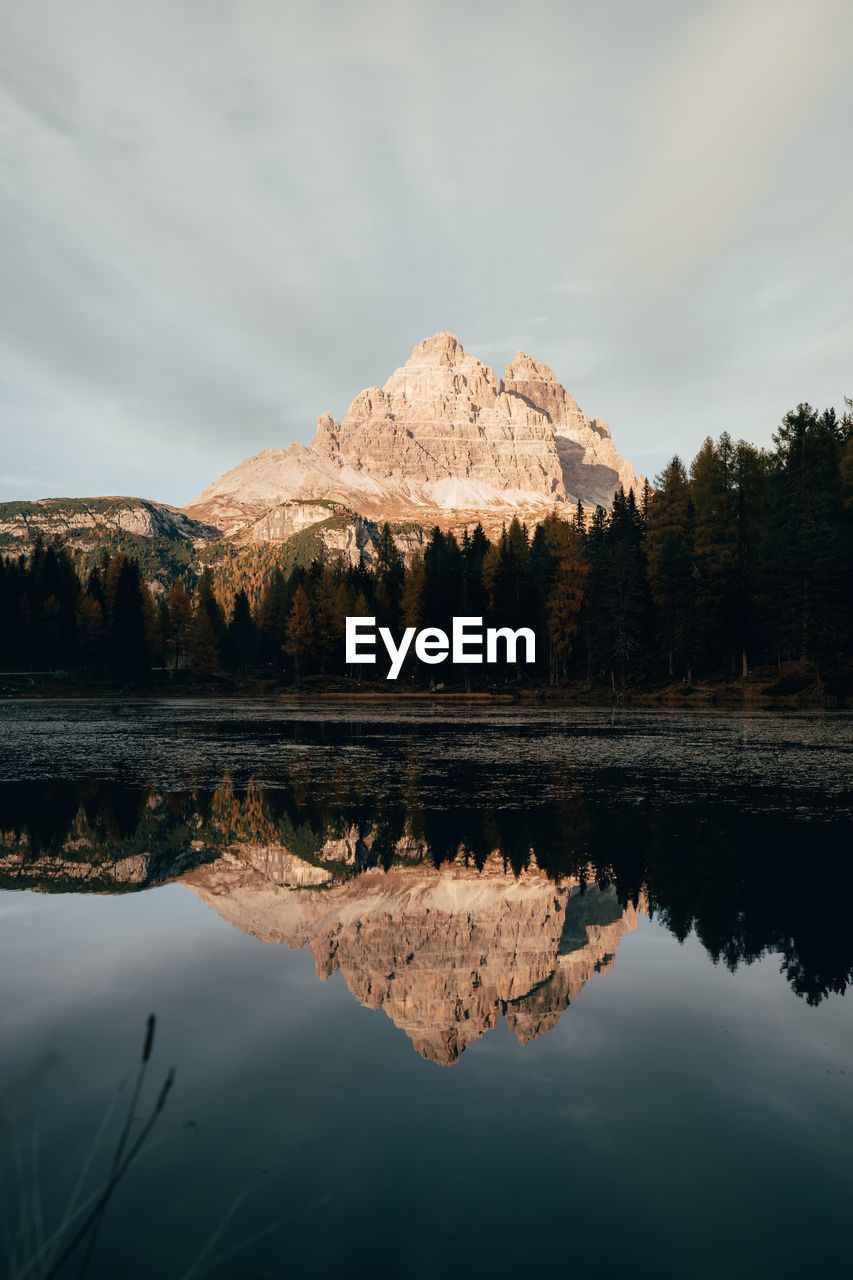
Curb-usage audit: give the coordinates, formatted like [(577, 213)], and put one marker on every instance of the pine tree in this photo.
[(204, 656), (272, 616), (128, 652), (808, 518), (597, 608), (180, 621), (329, 632), (241, 633), (388, 577), (154, 645), (749, 495), (414, 590), (627, 599), (475, 599), (715, 543), (207, 600), (90, 631), (300, 631), (671, 568), (565, 596)]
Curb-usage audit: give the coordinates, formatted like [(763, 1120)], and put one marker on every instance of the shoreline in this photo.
[(766, 689)]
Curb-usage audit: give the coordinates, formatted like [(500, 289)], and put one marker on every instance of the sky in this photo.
[(222, 218)]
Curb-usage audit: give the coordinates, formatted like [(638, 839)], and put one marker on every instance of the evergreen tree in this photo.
[(597, 607), (272, 616), (204, 655), (127, 644), (475, 599), (241, 633), (715, 546), (207, 600), (566, 590), (749, 494), (180, 621), (90, 631), (300, 632), (671, 568), (414, 592), (628, 603), (388, 577), (806, 533)]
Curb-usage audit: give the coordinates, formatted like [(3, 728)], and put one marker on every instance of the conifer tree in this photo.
[(414, 590), (90, 631), (241, 633), (565, 596), (807, 516), (154, 644), (749, 494), (627, 616), (272, 616), (597, 607), (207, 600), (204, 655), (300, 631), (328, 629), (715, 542), (671, 568), (180, 621), (128, 652), (388, 576), (474, 548)]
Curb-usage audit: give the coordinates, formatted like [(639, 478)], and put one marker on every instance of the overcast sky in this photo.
[(221, 218)]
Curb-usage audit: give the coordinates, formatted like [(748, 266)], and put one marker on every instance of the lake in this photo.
[(447, 991)]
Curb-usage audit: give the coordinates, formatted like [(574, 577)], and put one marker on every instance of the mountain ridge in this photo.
[(443, 442)]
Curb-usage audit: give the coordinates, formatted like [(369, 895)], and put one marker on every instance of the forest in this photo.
[(743, 559)]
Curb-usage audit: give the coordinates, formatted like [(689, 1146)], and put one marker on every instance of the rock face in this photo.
[(443, 952), (335, 531), (77, 518), (442, 441)]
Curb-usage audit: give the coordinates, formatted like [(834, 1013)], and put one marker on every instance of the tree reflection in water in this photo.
[(562, 874)]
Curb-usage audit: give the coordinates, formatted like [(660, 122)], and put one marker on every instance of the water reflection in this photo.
[(449, 917)]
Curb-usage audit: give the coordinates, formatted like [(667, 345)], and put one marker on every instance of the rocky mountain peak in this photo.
[(439, 368), (443, 440), (526, 368), (441, 348), (538, 385)]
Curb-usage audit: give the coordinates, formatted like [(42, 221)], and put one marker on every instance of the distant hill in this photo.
[(163, 539)]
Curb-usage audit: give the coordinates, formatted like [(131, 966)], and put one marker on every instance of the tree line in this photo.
[(745, 557)]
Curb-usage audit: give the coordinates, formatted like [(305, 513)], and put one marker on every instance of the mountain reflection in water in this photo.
[(447, 918)]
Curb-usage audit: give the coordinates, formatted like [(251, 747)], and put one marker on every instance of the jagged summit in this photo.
[(443, 437)]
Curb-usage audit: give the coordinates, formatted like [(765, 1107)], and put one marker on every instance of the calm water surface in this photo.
[(465, 992)]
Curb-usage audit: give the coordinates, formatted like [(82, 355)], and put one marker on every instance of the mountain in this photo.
[(443, 441)]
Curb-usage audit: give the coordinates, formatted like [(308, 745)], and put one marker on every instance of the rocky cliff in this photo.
[(77, 519), (442, 441)]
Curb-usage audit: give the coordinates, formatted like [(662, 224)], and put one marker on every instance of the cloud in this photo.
[(227, 218), (708, 134)]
